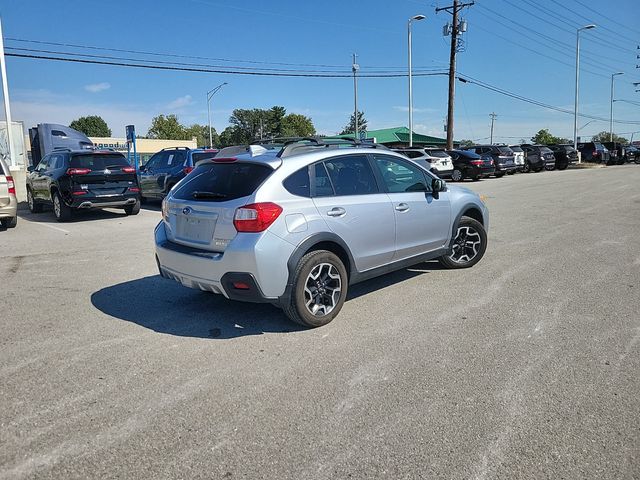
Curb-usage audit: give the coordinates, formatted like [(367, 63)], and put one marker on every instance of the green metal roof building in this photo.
[(398, 137)]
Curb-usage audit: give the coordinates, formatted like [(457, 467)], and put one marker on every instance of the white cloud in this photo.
[(97, 87), (180, 102)]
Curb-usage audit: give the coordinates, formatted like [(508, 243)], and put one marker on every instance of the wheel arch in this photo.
[(470, 210)]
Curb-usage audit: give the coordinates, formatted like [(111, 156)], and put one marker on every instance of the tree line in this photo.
[(245, 126)]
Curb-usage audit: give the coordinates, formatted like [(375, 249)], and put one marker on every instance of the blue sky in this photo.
[(524, 46)]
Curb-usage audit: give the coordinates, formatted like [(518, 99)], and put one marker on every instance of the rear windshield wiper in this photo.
[(199, 194)]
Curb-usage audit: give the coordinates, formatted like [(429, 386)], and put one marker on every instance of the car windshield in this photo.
[(223, 181), (437, 153), (99, 161)]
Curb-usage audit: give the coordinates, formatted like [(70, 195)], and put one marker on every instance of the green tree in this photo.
[(351, 126), (466, 143), (604, 137), (201, 134), (233, 135), (166, 128), (276, 116), (544, 137), (296, 125), (91, 126)]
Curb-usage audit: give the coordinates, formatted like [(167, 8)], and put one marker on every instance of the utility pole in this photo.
[(493, 117), (613, 75), (456, 28), (355, 67)]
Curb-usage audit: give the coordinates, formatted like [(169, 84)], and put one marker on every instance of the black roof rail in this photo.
[(175, 148), (313, 142)]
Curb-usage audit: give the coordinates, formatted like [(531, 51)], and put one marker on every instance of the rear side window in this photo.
[(219, 182), (298, 183), (98, 162), (351, 175), (412, 153), (173, 159)]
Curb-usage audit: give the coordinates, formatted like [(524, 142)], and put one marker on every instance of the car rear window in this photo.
[(516, 149), (220, 182), (98, 162), (546, 150), (505, 150), (202, 156), (437, 153)]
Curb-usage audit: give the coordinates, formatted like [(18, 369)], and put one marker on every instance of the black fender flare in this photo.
[(454, 227)]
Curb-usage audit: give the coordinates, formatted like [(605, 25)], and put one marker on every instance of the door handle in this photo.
[(336, 212), (402, 207)]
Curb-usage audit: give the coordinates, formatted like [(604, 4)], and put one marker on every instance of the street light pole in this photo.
[(575, 107), (354, 68), (613, 75), (210, 95), (417, 18)]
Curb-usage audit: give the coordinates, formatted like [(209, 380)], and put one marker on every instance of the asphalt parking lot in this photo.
[(525, 366)]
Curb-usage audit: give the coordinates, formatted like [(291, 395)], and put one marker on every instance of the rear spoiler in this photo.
[(253, 150)]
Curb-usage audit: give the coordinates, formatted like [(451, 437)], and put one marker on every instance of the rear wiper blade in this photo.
[(199, 194)]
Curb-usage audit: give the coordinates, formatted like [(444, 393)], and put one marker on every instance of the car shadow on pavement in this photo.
[(83, 216), (165, 307)]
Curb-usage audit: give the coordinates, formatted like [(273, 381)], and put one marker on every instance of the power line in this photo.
[(211, 70), (615, 22)]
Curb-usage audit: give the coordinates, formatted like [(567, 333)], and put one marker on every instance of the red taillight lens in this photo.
[(595, 153), (477, 162), (78, 171), (134, 189), (187, 170), (241, 286), (128, 169), (11, 186), (256, 217), (79, 192)]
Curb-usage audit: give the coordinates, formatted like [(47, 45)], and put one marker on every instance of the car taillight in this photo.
[(187, 170), (134, 189), (256, 217), (11, 185), (477, 162), (78, 171), (165, 210), (595, 153), (128, 169)]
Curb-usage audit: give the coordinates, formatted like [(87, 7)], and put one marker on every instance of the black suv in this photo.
[(74, 180), (467, 164), (565, 154), (594, 152), (537, 157), (168, 167), (617, 151), (502, 156)]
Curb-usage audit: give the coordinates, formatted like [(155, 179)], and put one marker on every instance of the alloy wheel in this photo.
[(466, 245), (322, 289), (56, 206), (456, 176)]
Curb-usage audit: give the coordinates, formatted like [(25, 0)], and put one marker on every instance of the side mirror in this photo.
[(142, 168), (30, 168), (438, 185)]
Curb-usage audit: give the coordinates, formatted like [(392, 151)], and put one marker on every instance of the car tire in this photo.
[(511, 172), (61, 210), (319, 269), (470, 238), (562, 166), (475, 178), (526, 168), (9, 222), (34, 207), (132, 209), (457, 175), (499, 174)]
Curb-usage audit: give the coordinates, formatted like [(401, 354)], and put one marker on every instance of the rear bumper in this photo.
[(258, 260), (104, 202), (9, 210)]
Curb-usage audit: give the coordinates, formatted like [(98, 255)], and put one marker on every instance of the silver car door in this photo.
[(423, 222), (347, 196)]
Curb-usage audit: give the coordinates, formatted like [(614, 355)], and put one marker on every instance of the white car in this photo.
[(436, 160), (518, 156)]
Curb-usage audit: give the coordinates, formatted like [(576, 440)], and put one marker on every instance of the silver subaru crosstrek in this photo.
[(298, 226)]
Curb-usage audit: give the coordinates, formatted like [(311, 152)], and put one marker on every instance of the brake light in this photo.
[(256, 217), (11, 185), (595, 153), (128, 169), (477, 162), (187, 170), (78, 171), (134, 189), (79, 192), (225, 159), (165, 210)]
